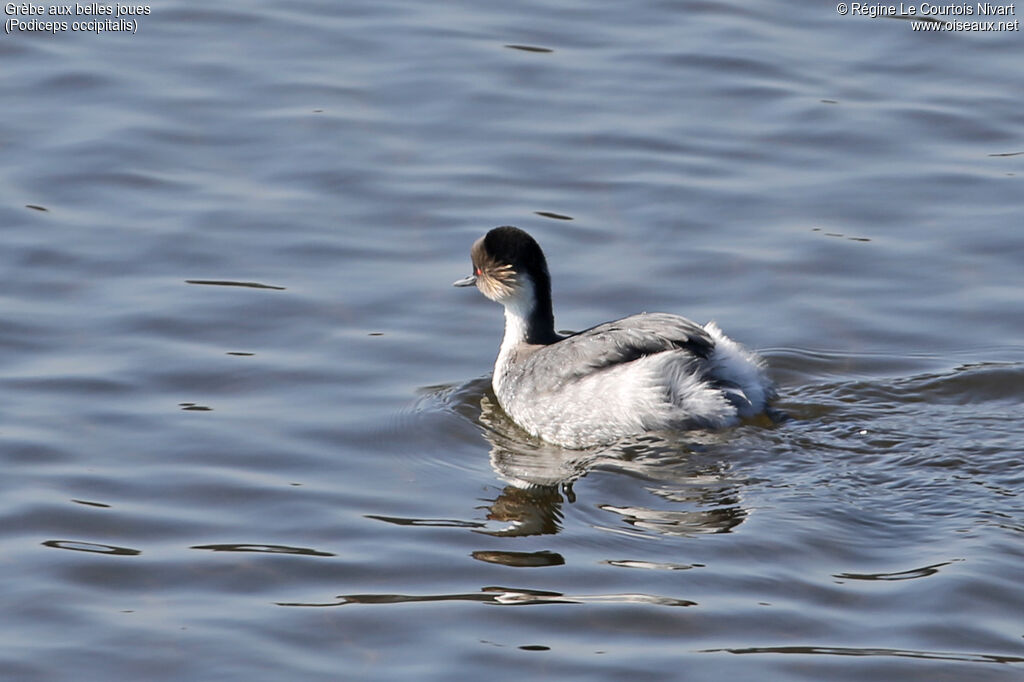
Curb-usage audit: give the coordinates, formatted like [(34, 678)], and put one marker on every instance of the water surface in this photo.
[(247, 431)]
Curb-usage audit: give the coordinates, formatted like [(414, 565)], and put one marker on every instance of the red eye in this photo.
[(477, 272)]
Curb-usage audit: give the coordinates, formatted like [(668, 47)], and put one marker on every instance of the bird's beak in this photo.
[(465, 281)]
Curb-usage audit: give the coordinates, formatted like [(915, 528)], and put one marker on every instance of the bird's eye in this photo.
[(477, 272)]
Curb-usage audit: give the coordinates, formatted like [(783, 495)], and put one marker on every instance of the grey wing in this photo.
[(618, 342)]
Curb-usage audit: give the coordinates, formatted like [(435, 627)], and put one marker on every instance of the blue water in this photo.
[(246, 431)]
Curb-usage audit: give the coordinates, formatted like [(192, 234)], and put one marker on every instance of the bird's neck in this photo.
[(528, 316)]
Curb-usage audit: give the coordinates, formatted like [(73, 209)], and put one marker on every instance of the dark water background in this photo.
[(310, 482)]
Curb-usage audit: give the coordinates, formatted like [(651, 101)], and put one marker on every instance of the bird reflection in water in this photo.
[(702, 498)]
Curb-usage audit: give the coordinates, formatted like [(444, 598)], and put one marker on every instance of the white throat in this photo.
[(518, 308)]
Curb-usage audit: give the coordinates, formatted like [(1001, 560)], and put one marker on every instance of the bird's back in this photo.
[(639, 373)]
